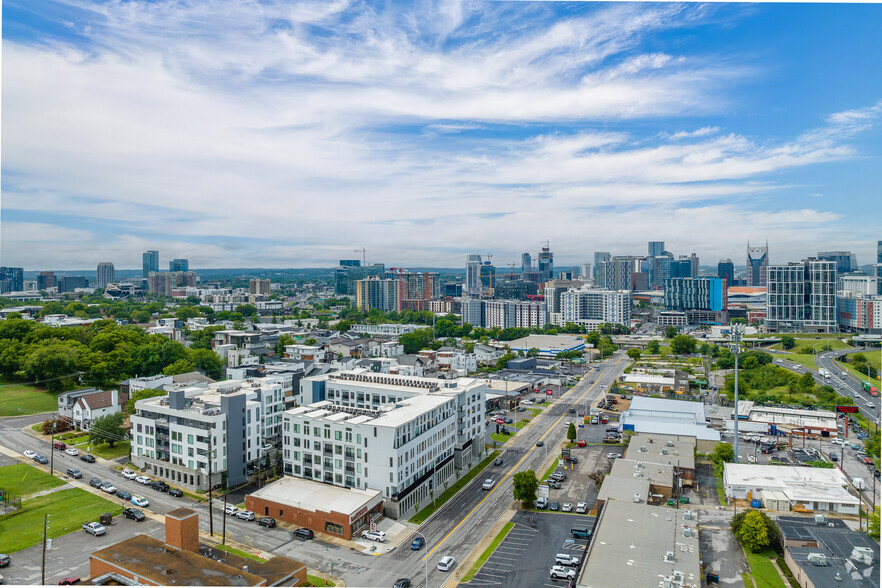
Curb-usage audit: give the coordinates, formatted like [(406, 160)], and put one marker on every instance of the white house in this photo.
[(95, 404)]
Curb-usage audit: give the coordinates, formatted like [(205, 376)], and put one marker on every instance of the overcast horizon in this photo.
[(267, 135)]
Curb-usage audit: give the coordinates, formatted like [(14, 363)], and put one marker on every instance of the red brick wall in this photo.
[(302, 518)]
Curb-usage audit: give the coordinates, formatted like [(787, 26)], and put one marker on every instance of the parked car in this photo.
[(417, 544), (74, 473), (95, 483), (304, 533), (562, 573), (488, 484), (446, 563), (266, 522), (567, 507), (42, 459), (159, 485), (612, 456), (231, 510), (245, 515), (134, 514), (107, 487), (541, 502), (123, 495), (129, 474), (5, 560), (72, 451), (59, 445), (564, 559), (30, 454), (582, 507), (374, 535), (140, 501), (88, 458), (143, 480), (508, 421), (401, 583), (94, 529), (553, 484), (176, 492), (498, 461), (553, 505), (69, 581)]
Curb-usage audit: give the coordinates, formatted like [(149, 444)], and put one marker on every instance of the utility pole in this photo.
[(210, 484), (736, 336), (224, 539), (52, 450), (43, 566)]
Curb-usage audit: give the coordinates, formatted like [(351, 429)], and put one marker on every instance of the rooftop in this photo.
[(549, 342), (657, 474), (316, 496), (623, 488)]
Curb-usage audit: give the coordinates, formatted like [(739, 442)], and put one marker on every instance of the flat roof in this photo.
[(316, 496), (667, 407), (649, 378), (548, 342), (623, 488), (839, 571), (799, 484), (680, 454), (630, 546), (656, 473)]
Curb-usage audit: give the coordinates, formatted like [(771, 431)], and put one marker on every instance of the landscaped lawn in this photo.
[(67, 510), (238, 552), (815, 344), (872, 359), (21, 480), (548, 472), (500, 437), (317, 581), (119, 449), (764, 573), (30, 399), (488, 552), (804, 359), (447, 494)]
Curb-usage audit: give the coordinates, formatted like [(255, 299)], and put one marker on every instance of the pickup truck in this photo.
[(94, 529)]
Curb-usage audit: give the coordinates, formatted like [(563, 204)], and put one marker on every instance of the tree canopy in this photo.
[(107, 429), (525, 486)]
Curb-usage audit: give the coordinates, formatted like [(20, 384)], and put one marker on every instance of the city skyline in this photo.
[(243, 135)]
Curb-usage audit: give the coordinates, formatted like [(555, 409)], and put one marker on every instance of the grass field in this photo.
[(107, 452), (456, 487), (816, 344), (548, 472), (763, 572), (21, 480), (30, 399), (67, 510), (238, 552), (500, 437), (488, 552), (317, 581), (804, 359)]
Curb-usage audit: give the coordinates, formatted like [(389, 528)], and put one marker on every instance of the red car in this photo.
[(581, 443), (59, 445), (69, 581)]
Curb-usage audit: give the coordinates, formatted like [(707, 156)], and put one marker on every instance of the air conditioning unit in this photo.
[(636, 497), (643, 448), (687, 515), (669, 557), (670, 443), (664, 451), (687, 531), (818, 559)]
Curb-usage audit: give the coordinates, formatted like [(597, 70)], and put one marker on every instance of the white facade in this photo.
[(592, 306), (400, 435), (801, 297), (513, 313), (386, 329), (858, 285)]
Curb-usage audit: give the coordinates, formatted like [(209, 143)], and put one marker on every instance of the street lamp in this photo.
[(426, 556), (735, 334)]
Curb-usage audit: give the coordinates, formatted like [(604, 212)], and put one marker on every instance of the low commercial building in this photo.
[(181, 561), (659, 476), (806, 489), (323, 508), (624, 488), (657, 381), (668, 450), (641, 545), (670, 417), (787, 420), (548, 345)]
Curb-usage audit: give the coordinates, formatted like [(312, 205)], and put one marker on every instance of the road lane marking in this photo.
[(512, 470)]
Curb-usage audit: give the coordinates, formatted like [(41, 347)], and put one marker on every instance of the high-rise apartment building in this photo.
[(599, 272), (879, 252), (488, 277), (857, 285), (150, 263), (45, 280), (546, 264), (659, 270), (585, 271), (656, 248), (846, 262), (526, 263), (350, 271), (11, 279), (379, 293), (801, 297), (619, 272), (681, 268), (704, 300), (726, 271), (105, 274), (592, 307), (473, 274), (259, 287), (179, 265), (757, 265), (414, 290), (164, 282)]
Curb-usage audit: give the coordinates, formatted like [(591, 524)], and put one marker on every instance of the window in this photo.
[(333, 528), (316, 432), (190, 439), (338, 435)]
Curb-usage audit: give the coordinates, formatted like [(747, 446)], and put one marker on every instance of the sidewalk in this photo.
[(48, 439), (470, 560)]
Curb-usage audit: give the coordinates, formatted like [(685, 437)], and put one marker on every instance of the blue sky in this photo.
[(279, 134)]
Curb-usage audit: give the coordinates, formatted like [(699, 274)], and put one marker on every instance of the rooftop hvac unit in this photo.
[(818, 559), (636, 497), (669, 557), (820, 519), (664, 451), (670, 443), (639, 464), (678, 577), (687, 515), (643, 448), (668, 582), (687, 531), (864, 554)]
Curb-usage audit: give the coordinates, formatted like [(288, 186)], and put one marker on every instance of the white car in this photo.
[(837, 442), (72, 451), (560, 572), (446, 563), (138, 500), (143, 480), (844, 374), (245, 515), (751, 458), (108, 487), (582, 507), (129, 474), (488, 484), (870, 404), (231, 510), (374, 535), (94, 529), (564, 559), (567, 507), (30, 454), (612, 456)]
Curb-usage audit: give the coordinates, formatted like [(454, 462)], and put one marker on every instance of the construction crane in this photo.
[(363, 252)]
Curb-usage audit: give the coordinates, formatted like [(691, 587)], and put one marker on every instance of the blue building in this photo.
[(702, 299)]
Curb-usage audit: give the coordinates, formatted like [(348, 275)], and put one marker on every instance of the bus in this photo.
[(869, 388)]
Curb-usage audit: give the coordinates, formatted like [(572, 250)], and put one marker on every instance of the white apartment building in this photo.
[(403, 436), (801, 297), (385, 329), (855, 285), (593, 307), (170, 434), (513, 313)]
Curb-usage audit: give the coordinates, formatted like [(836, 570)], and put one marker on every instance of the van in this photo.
[(541, 502), (580, 532), (594, 420)]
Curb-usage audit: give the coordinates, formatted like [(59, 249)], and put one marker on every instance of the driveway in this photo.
[(720, 551)]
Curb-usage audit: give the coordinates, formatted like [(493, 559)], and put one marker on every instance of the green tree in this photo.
[(57, 363), (181, 366), (525, 487), (723, 452), (634, 353), (670, 332), (683, 344), (571, 432), (283, 341), (247, 310), (873, 527), (772, 530), (753, 534), (208, 362), (652, 347), (806, 383), (107, 429), (140, 395), (533, 352), (788, 342)]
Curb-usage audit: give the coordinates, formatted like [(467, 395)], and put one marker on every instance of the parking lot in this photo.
[(524, 558)]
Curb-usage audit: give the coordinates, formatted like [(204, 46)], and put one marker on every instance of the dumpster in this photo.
[(684, 500), (671, 502), (105, 519), (712, 578), (756, 503)]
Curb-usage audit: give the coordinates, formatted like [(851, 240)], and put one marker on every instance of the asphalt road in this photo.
[(453, 530)]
